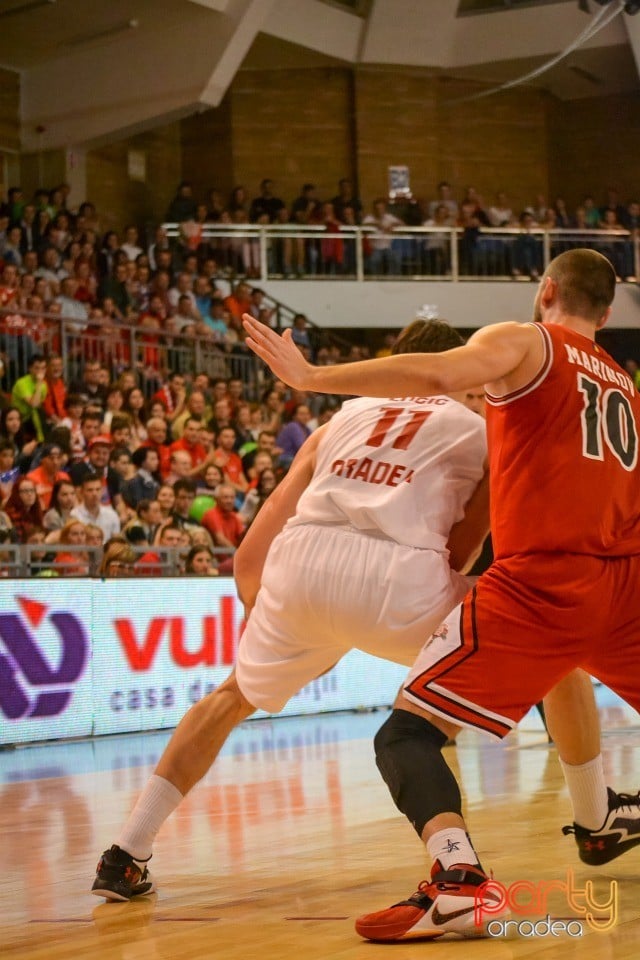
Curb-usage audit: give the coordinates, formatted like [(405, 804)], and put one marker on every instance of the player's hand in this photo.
[(279, 352)]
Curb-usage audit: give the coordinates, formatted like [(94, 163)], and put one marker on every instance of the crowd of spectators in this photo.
[(386, 254), (132, 457), (92, 468)]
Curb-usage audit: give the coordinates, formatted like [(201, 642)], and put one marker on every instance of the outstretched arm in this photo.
[(491, 354)]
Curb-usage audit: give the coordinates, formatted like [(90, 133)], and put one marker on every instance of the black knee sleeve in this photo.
[(408, 755)]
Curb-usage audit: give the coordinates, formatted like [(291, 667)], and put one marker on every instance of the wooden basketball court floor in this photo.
[(289, 838)]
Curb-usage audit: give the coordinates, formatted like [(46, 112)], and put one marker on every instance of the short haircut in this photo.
[(90, 478), (139, 456), (120, 421), (91, 415), (184, 485), (427, 336), (586, 282)]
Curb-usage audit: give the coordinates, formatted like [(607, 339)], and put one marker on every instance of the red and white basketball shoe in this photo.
[(453, 901)]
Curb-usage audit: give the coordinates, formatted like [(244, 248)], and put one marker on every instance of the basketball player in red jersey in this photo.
[(563, 421)]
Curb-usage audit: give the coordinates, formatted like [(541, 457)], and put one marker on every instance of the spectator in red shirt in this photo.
[(156, 437), (23, 507), (172, 396), (45, 476), (189, 443), (237, 303), (55, 401), (229, 461), (224, 524), (8, 285)]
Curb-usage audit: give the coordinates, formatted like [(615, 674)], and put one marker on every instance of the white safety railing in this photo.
[(276, 251)]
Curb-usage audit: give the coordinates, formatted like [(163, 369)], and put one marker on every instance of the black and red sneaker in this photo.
[(619, 832), (119, 877), (451, 902)]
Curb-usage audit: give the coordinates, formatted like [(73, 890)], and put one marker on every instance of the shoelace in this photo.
[(627, 800)]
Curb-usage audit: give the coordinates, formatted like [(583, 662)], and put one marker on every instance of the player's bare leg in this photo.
[(606, 824), (194, 746)]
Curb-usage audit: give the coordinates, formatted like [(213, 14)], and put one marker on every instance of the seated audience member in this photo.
[(157, 434), (95, 536), (97, 465), (180, 464), (92, 510), (118, 559), (266, 443), (221, 415), (267, 481), (166, 498), (90, 427), (29, 393), (185, 491), (48, 473), (63, 500), (134, 406), (224, 525), (19, 435), (172, 396), (72, 421), (200, 563), (143, 486), (196, 408), (121, 463), (243, 427), (293, 435), (121, 430), (54, 405), (169, 536), (23, 507), (272, 409), (9, 473), (190, 445), (90, 388), (38, 562), (149, 516), (210, 480), (228, 460), (238, 302), (72, 563)]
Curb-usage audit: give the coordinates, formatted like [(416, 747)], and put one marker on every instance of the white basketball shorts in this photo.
[(328, 589)]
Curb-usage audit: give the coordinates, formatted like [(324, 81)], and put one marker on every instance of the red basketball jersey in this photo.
[(564, 455)]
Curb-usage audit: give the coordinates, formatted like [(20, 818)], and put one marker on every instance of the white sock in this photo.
[(156, 802), (450, 846), (588, 792)]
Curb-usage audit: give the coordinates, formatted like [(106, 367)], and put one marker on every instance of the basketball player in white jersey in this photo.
[(361, 538)]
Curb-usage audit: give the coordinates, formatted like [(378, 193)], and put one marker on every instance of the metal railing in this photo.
[(22, 560), (277, 251), (122, 346)]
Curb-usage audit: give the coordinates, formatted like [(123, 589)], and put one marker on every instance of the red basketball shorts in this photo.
[(527, 622)]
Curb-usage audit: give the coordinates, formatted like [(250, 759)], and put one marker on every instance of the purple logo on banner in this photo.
[(23, 664)]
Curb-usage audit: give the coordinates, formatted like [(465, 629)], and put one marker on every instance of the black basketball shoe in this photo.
[(619, 832), (118, 876)]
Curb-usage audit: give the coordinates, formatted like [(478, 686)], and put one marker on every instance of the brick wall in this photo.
[(121, 199), (321, 124), (9, 110), (207, 157), (595, 144)]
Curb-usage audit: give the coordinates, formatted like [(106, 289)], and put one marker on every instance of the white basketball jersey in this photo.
[(398, 468)]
